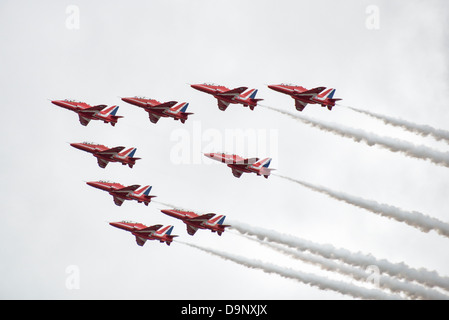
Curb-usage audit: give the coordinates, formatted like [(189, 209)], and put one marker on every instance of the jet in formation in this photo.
[(156, 109), (105, 155), (87, 112), (302, 96), (143, 233), (210, 221), (226, 96), (121, 193), (240, 165)]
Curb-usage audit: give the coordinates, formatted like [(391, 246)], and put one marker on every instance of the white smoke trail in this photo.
[(423, 130), (394, 145), (307, 278), (415, 219), (411, 290), (400, 270)]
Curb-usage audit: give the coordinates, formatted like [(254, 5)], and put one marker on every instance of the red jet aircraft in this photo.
[(225, 96), (122, 193), (105, 155), (156, 109), (194, 222), (86, 112), (302, 96), (144, 233), (240, 165)]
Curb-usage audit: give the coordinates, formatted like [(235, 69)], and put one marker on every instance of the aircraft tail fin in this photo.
[(144, 191), (111, 111), (265, 163), (129, 152)]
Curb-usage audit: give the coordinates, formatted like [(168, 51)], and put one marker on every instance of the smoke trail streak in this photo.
[(394, 145), (306, 278), (411, 290), (400, 270), (415, 219), (423, 130)]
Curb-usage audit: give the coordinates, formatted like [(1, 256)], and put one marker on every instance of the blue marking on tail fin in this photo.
[(184, 108), (132, 153), (221, 220), (114, 111), (267, 164), (147, 192), (253, 95), (169, 230), (331, 95)]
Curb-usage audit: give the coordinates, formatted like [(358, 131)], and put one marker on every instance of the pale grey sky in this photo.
[(52, 220)]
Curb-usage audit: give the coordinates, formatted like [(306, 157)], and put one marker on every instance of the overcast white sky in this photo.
[(52, 220)]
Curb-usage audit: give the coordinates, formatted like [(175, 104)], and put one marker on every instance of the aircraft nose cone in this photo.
[(117, 225), (56, 102), (166, 211), (76, 145), (127, 100), (273, 87), (209, 155), (92, 183)]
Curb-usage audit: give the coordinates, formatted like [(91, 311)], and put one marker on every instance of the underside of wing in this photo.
[(300, 105), (140, 241), (222, 105), (118, 201), (83, 120), (191, 230), (154, 118), (237, 173), (102, 163)]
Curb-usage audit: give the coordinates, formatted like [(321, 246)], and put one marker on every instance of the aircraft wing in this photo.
[(300, 105), (92, 110), (191, 230), (202, 218), (126, 190), (222, 105), (149, 230), (163, 106), (154, 118), (102, 163), (250, 160), (232, 93), (111, 152), (237, 173), (83, 120), (118, 201), (140, 241), (309, 94)]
